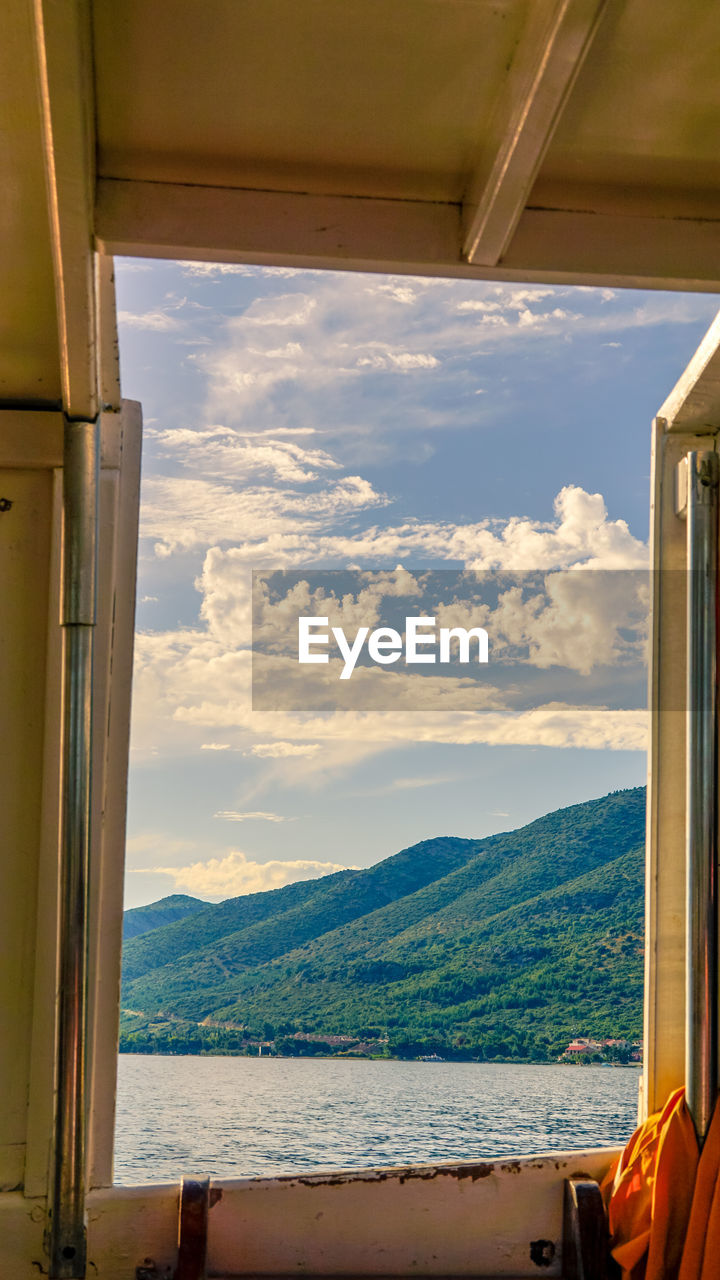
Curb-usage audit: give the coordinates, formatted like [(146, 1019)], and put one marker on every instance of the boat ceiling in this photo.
[(557, 140)]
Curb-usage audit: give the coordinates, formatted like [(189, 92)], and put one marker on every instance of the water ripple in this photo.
[(243, 1117)]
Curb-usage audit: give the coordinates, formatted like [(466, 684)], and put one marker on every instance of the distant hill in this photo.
[(501, 947), (178, 906)]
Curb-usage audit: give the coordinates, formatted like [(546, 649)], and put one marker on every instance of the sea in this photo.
[(236, 1117)]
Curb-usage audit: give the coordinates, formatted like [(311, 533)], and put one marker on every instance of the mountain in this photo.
[(178, 906), (504, 946)]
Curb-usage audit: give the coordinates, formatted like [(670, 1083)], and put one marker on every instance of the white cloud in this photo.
[(191, 681), (481, 305), (214, 746), (186, 682), (290, 309), (398, 288), (157, 320), (274, 621), (569, 618), (259, 815), (580, 534), (403, 361), (554, 724), (411, 784), (237, 874), (210, 269), (283, 529), (221, 451), (184, 513)]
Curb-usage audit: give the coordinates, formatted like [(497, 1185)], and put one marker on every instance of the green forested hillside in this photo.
[(501, 947), (177, 906)]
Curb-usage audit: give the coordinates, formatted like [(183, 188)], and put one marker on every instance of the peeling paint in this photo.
[(473, 1172), (340, 1180), (458, 1172)]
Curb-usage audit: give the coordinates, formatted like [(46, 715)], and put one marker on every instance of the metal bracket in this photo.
[(148, 1270), (585, 1251), (193, 1229)]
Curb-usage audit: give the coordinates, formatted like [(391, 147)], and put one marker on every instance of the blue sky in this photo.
[(312, 419)]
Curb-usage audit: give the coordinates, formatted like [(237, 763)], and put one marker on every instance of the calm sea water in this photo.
[(239, 1117)]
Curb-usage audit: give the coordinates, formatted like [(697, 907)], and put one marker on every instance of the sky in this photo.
[(302, 421)]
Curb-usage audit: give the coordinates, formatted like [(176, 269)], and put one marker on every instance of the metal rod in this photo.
[(701, 1016), (68, 1176)]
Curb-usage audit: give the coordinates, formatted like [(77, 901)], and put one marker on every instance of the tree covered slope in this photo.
[(505, 946)]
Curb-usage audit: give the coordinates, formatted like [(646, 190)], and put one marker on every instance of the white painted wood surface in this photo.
[(25, 550), (689, 419), (30, 646), (64, 57), (214, 224), (694, 402), (462, 1219)]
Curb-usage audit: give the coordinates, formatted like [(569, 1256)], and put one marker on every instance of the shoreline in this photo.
[(349, 1057)]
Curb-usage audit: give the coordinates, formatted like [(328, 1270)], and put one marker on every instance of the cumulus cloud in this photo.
[(575, 619), (248, 498), (200, 678), (236, 874), (581, 534)]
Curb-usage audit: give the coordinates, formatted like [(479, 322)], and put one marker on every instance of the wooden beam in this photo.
[(165, 220), (222, 224), (63, 44), (549, 55), (694, 402)]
